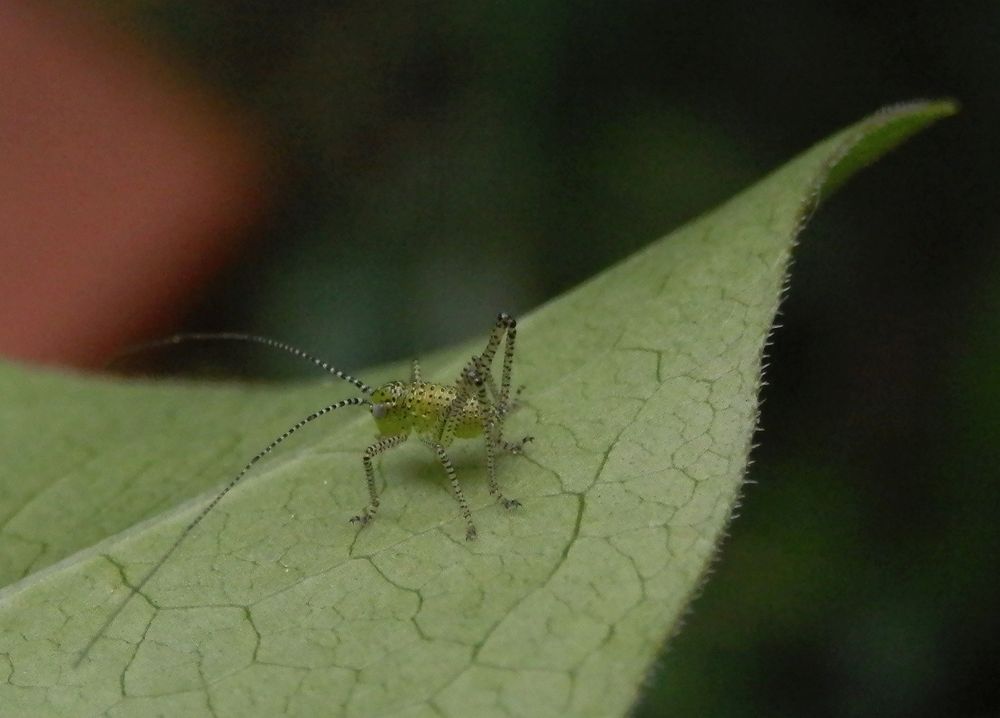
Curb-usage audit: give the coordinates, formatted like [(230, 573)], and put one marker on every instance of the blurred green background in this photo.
[(436, 162)]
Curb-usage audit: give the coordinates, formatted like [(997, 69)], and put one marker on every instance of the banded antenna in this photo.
[(227, 336), (239, 337)]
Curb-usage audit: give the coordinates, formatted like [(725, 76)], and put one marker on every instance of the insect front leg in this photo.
[(414, 371), (380, 446)]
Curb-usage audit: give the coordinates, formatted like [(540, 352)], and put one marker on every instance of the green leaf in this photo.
[(642, 388)]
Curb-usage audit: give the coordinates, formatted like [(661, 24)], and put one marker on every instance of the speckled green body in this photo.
[(440, 413), (422, 407)]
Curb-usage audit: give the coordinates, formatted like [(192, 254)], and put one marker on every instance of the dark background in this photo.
[(430, 163)]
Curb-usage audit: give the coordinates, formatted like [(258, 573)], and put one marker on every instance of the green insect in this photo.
[(438, 413)]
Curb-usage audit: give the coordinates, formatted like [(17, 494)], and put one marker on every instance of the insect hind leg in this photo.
[(505, 330)]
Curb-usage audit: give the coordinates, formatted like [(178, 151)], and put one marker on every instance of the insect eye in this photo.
[(379, 410)]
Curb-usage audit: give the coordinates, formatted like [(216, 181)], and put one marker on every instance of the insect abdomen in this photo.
[(428, 405)]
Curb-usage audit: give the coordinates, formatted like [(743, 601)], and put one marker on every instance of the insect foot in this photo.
[(516, 447), (364, 517), (470, 533)]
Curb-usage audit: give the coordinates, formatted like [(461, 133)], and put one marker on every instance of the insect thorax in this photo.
[(401, 407)]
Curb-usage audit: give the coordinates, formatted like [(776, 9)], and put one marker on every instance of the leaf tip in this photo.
[(880, 132)]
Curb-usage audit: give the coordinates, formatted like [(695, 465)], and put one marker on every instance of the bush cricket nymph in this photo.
[(473, 406)]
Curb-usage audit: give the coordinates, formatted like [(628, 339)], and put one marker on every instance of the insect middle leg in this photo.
[(380, 446), (492, 442), (470, 528), (515, 447), (470, 382)]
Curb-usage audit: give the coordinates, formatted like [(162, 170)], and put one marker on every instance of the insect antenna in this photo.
[(353, 401), (234, 336)]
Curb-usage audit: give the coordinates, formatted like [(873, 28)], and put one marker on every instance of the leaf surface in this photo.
[(642, 394)]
